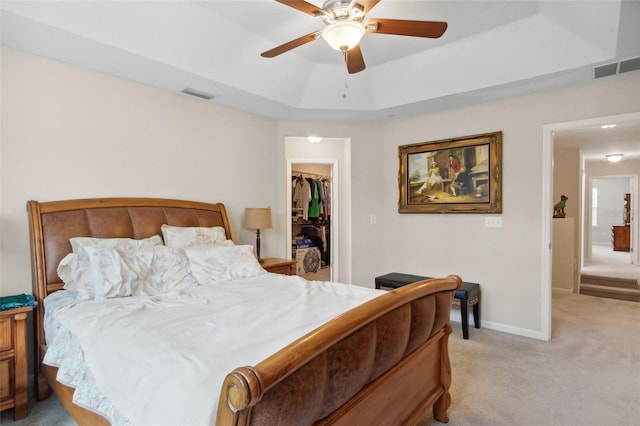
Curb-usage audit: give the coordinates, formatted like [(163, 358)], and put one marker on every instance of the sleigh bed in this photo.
[(384, 361)]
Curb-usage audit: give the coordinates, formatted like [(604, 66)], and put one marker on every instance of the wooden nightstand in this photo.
[(279, 266), (13, 361)]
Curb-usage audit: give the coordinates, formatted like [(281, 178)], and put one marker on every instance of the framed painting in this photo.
[(459, 175)]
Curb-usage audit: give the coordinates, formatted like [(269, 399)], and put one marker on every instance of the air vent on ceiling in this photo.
[(197, 93), (617, 68)]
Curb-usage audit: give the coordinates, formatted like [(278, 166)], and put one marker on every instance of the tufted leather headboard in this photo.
[(52, 224)]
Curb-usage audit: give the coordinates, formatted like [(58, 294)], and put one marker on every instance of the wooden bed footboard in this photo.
[(385, 362)]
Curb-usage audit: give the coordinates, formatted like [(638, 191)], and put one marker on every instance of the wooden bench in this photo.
[(468, 295)]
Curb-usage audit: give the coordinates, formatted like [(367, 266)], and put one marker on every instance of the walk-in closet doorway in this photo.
[(329, 162), (311, 186)]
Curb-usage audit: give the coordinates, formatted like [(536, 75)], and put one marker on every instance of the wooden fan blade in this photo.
[(303, 6), (354, 60), (291, 45), (429, 29), (367, 4)]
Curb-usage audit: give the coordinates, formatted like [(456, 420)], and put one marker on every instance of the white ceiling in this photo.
[(491, 50)]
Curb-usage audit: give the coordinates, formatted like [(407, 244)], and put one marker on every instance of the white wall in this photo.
[(73, 133)]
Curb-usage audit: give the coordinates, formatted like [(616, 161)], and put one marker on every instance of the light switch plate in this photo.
[(493, 221)]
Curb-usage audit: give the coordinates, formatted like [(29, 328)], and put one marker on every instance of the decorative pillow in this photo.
[(184, 236), (222, 263), (114, 243), (100, 273)]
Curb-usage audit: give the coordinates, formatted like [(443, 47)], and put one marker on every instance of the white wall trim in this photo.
[(547, 207), (490, 325)]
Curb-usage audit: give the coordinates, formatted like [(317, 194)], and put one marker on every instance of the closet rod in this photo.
[(310, 174)]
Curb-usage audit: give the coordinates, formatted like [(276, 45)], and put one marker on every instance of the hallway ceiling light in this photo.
[(314, 139), (614, 158)]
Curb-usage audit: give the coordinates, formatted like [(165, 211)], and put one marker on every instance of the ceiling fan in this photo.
[(345, 27)]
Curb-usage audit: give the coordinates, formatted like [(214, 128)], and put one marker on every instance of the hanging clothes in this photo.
[(323, 237), (314, 206), (327, 197), (302, 196), (321, 199)]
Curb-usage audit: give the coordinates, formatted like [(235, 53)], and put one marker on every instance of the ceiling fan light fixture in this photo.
[(614, 158), (344, 34)]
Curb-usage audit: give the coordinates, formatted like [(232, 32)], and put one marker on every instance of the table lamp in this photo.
[(257, 218)]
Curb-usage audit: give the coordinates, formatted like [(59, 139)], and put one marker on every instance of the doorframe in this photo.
[(334, 227), (547, 204)]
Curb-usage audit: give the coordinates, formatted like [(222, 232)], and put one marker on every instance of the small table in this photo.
[(279, 266), (467, 295)]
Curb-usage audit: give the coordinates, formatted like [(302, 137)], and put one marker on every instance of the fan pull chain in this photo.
[(346, 84)]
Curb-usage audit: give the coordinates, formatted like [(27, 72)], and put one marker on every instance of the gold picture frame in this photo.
[(458, 175)]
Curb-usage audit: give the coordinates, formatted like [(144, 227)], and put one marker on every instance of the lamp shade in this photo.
[(257, 218), (344, 34)]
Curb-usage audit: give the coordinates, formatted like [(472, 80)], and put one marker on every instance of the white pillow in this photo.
[(107, 273), (184, 236), (116, 243), (69, 271), (222, 263), (170, 270), (100, 273)]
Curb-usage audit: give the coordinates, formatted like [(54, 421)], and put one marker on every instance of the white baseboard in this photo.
[(533, 334)]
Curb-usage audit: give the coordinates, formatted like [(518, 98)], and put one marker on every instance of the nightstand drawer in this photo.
[(6, 334), (6, 379)]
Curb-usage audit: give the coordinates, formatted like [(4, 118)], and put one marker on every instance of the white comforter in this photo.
[(161, 360)]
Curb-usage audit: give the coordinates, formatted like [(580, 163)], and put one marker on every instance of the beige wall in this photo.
[(367, 197), (566, 181), (73, 133), (68, 133), (507, 261)]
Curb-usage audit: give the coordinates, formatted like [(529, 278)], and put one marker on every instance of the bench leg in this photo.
[(476, 315), (464, 311)]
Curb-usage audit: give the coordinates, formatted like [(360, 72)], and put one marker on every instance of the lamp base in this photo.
[(258, 246)]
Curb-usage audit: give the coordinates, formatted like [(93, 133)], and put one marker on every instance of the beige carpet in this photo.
[(605, 262), (588, 374)]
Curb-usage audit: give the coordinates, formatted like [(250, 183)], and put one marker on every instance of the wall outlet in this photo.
[(372, 219), (493, 222)]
